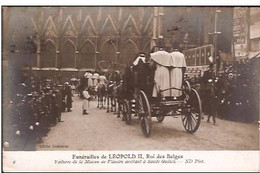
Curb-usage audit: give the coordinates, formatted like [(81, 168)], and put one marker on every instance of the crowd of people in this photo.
[(236, 90), (34, 106)]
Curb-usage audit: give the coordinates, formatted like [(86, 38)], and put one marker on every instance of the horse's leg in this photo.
[(104, 100), (111, 103), (101, 102), (108, 104), (115, 106), (98, 102), (118, 109)]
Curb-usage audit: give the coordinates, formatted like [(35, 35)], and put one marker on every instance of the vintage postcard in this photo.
[(130, 88)]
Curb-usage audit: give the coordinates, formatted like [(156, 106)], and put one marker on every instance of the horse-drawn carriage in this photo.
[(140, 87)]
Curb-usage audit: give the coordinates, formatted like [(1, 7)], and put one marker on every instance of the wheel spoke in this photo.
[(196, 121), (140, 105), (184, 118), (191, 123), (186, 121)]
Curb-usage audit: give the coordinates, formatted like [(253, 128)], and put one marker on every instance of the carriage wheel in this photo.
[(160, 118), (192, 114), (144, 112), (186, 86), (126, 112)]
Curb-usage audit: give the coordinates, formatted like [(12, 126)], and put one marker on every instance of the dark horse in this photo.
[(119, 98), (114, 82)]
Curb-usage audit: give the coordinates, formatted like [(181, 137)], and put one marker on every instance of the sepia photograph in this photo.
[(130, 79)]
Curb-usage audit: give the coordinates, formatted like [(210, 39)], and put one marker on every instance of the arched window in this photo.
[(48, 58), (87, 56), (108, 52), (128, 54), (68, 56)]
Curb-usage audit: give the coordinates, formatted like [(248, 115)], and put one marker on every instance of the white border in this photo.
[(134, 2)]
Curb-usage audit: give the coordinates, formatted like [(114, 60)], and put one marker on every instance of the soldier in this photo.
[(141, 73), (68, 96), (86, 100), (89, 77), (95, 79), (59, 101), (115, 75), (209, 93)]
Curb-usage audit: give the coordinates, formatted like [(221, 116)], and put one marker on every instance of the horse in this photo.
[(92, 91), (114, 81), (111, 97), (101, 93)]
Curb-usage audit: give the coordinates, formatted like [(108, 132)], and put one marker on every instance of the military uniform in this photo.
[(208, 94), (68, 97)]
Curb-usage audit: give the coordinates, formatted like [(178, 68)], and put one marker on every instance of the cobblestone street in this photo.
[(104, 131)]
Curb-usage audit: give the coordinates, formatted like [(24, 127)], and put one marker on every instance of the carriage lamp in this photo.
[(210, 80), (31, 127), (6, 144), (18, 132), (37, 123), (222, 101)]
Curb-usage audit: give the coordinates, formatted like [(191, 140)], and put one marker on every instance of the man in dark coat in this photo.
[(68, 96), (207, 82)]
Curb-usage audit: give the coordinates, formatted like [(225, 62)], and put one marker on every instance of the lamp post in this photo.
[(215, 33)]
